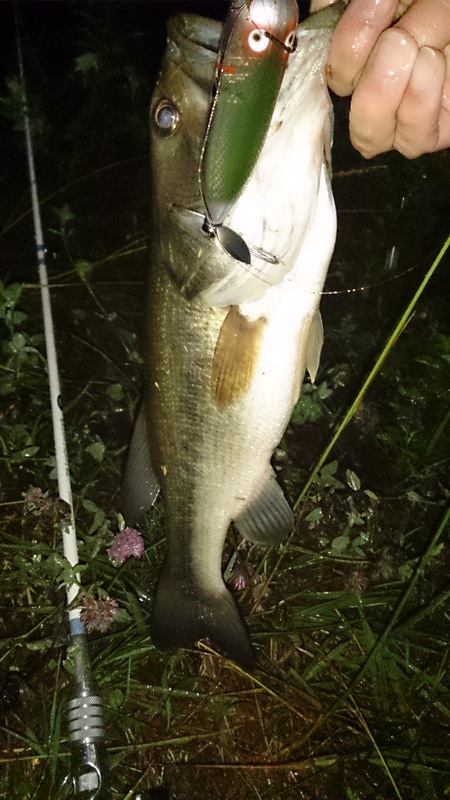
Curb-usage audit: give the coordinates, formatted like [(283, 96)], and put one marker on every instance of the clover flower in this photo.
[(98, 614), (127, 543), (240, 577)]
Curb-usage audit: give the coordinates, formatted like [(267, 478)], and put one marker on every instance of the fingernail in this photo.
[(424, 71), (394, 54), (373, 12)]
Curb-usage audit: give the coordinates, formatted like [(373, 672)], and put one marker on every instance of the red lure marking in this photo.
[(229, 70)]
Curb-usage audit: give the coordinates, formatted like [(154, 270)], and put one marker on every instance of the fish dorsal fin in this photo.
[(140, 485), (314, 347), (269, 519), (235, 357)]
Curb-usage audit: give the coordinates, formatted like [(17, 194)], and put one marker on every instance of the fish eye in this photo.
[(291, 41), (258, 41), (166, 117)]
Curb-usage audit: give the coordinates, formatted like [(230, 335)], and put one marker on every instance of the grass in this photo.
[(350, 618)]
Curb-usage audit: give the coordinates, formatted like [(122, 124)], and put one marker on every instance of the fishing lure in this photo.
[(258, 36)]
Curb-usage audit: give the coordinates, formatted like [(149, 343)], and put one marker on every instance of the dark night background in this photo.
[(317, 608)]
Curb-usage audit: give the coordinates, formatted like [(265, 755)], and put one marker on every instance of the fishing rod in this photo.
[(86, 733)]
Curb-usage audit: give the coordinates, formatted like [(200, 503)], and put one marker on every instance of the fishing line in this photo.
[(74, 182), (86, 732), (254, 271)]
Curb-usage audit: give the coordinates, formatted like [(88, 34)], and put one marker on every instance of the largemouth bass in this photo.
[(228, 343)]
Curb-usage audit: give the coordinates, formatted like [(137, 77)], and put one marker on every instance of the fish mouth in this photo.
[(194, 45)]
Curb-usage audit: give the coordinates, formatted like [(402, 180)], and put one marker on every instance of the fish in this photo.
[(227, 342)]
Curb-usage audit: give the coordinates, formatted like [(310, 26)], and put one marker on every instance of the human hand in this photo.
[(399, 76)]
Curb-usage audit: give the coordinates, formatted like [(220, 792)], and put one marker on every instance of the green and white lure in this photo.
[(257, 39)]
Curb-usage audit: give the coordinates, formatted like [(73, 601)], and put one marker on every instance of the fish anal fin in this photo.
[(140, 485), (182, 614), (268, 519), (235, 357)]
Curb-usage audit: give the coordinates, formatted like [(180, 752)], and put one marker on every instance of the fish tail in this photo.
[(181, 615)]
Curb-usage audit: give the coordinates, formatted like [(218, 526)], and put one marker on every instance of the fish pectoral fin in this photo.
[(140, 485), (314, 346), (269, 519), (235, 357), (182, 614)]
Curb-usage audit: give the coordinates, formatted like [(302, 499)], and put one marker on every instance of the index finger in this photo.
[(353, 40)]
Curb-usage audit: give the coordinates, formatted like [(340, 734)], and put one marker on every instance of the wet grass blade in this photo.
[(390, 343)]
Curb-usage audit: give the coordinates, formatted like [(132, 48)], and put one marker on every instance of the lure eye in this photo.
[(166, 117), (258, 42)]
